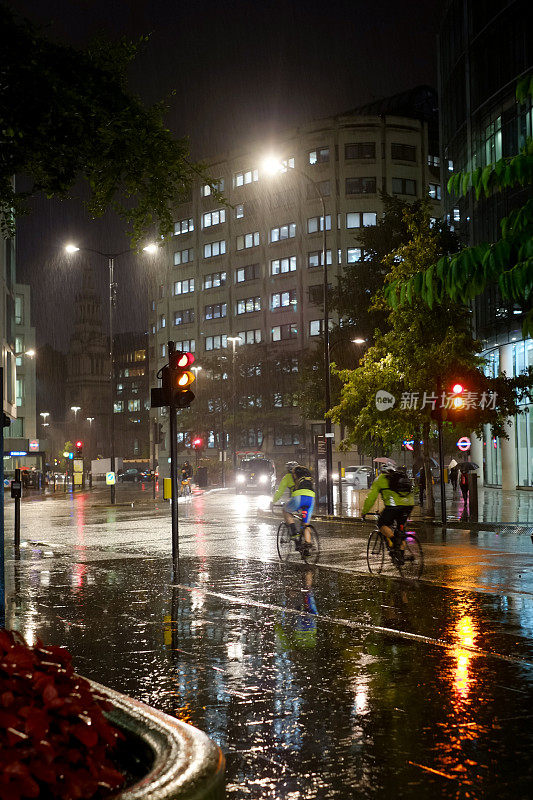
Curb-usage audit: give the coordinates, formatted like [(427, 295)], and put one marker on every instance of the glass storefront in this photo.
[(492, 456), (522, 359)]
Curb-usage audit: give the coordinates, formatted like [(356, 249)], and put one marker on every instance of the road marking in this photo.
[(348, 623)]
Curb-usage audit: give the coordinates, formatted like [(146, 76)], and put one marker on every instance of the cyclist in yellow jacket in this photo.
[(397, 493), (299, 481)]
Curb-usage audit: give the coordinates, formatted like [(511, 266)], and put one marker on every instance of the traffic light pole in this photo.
[(441, 462), (112, 376), (174, 477)]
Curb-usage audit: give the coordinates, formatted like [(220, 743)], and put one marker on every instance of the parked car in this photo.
[(358, 476), (255, 475)]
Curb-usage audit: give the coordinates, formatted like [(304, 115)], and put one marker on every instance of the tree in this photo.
[(421, 350), (67, 114), (508, 262), (358, 283)]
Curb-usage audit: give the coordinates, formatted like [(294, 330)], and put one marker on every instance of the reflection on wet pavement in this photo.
[(328, 683)]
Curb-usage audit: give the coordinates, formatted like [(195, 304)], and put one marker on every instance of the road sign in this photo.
[(78, 464), (464, 443), (78, 478), (110, 478), (34, 444)]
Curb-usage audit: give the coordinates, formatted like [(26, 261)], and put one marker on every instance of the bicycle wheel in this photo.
[(285, 542), (413, 560), (375, 552), (311, 553)]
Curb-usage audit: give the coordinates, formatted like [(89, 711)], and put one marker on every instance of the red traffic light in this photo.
[(178, 360), (197, 443), (458, 388), (79, 444)]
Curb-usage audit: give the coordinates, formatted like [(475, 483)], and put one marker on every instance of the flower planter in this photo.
[(166, 759)]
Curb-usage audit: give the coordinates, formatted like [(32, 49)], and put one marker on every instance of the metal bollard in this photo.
[(472, 497)]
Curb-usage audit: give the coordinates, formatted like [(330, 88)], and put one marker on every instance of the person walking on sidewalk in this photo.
[(463, 483), (454, 473), (421, 485)]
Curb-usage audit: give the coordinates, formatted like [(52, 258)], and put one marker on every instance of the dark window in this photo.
[(184, 316), (360, 185), (403, 152), (248, 273), (359, 151), (403, 186)]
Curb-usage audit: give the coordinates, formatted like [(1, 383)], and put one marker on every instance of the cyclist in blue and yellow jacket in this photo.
[(299, 481)]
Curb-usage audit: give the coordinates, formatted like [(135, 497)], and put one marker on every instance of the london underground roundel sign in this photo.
[(464, 443)]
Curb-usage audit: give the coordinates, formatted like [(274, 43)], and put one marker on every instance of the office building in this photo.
[(253, 268), (484, 50)]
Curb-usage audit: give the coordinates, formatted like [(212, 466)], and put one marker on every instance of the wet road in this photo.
[(329, 683)]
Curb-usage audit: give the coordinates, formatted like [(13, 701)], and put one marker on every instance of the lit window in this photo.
[(356, 219), (186, 346), (316, 258), (248, 240), (211, 218), (316, 326), (214, 249), (183, 226), (456, 215), (214, 280), (283, 300), (281, 332), (184, 316), (244, 178), (239, 211), (162, 321), (215, 311), (218, 342), (354, 254), (250, 337), (184, 287), (118, 406), (283, 232), (248, 305), (280, 266), (206, 190), (433, 161), (248, 273), (314, 224), (434, 191), (183, 257), (134, 405), (493, 141), (319, 156)]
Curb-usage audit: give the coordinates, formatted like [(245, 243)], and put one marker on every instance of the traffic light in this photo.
[(79, 448), (180, 378), (457, 401), (197, 443)]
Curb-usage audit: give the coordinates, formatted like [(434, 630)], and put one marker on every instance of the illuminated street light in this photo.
[(30, 353), (151, 248), (75, 409), (358, 341), (71, 248), (90, 421)]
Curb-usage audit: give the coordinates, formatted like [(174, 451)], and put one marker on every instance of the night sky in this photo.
[(239, 71)]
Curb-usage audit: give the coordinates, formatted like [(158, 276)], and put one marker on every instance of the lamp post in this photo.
[(44, 415), (72, 248), (75, 409), (234, 340), (275, 166)]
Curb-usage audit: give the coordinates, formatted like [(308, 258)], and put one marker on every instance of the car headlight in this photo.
[(263, 479), (240, 478)]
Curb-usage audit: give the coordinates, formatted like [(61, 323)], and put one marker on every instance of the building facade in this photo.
[(132, 398), (253, 270), (484, 50), (7, 326)]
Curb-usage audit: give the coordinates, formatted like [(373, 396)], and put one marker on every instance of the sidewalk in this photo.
[(495, 508)]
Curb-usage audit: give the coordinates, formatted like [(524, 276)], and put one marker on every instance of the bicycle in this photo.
[(185, 488), (409, 560), (288, 543)]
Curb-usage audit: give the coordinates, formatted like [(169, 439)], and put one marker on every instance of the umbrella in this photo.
[(384, 461), (467, 466)]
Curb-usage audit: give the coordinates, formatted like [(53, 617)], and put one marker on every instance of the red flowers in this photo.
[(54, 739)]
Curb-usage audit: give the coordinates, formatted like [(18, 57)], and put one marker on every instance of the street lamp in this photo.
[(72, 248), (234, 340), (275, 166), (90, 421), (358, 341), (75, 409), (44, 414)]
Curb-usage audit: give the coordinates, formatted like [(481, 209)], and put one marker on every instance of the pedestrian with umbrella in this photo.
[(464, 468), (454, 473)]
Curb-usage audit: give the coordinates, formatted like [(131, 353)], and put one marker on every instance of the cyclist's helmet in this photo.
[(291, 465)]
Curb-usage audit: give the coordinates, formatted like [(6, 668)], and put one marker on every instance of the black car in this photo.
[(255, 475)]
